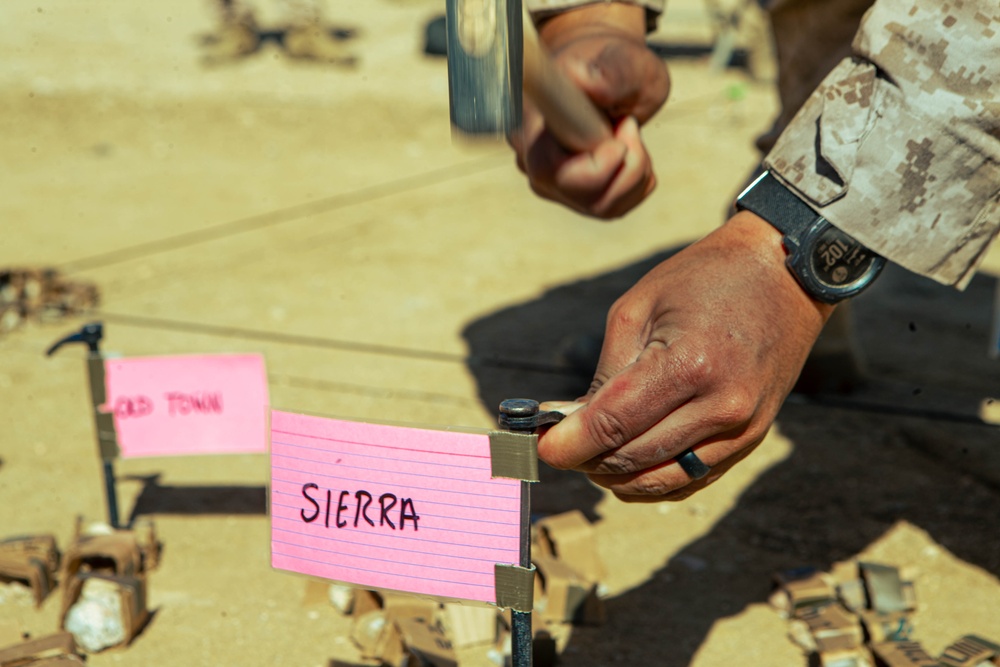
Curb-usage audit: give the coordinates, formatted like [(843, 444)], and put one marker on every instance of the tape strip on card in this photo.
[(107, 437), (515, 587), (514, 455)]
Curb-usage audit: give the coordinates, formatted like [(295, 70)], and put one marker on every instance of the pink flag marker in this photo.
[(390, 507), (184, 405)]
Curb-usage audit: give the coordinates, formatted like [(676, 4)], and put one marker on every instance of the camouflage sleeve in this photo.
[(541, 9), (900, 145)]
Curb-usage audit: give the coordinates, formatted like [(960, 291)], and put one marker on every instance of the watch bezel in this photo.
[(799, 261)]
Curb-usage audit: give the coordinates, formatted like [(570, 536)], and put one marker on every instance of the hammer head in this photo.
[(485, 46)]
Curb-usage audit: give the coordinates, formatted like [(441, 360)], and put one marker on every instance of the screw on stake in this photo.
[(91, 335), (521, 415)]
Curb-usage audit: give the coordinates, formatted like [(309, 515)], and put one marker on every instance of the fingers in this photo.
[(635, 179), (627, 406), (605, 183), (669, 482)]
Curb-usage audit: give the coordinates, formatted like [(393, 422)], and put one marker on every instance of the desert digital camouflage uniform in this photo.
[(890, 122)]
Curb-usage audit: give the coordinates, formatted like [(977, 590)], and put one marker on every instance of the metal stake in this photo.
[(522, 415), (107, 441)]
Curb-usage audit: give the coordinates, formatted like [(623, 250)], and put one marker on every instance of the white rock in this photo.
[(96, 619)]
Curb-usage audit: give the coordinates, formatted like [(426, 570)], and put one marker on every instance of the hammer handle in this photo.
[(569, 114)]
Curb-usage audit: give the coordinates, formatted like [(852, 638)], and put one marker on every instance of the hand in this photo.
[(700, 353), (602, 48)]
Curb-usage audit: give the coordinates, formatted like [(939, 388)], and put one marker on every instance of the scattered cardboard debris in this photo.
[(30, 561), (43, 295), (405, 631), (100, 548), (867, 623), (800, 590), (903, 654), (56, 649), (971, 651)]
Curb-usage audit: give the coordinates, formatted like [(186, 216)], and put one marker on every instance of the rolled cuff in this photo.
[(921, 190)]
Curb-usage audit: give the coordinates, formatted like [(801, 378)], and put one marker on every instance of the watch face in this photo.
[(838, 260), (832, 265)]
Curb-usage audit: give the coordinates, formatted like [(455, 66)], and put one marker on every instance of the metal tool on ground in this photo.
[(107, 440), (521, 415), (493, 55)]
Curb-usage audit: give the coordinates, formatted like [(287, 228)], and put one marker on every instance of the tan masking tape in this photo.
[(515, 587), (514, 455), (107, 437)]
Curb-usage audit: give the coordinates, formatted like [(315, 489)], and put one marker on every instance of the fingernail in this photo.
[(565, 407)]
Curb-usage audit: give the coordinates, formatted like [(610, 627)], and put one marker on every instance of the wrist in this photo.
[(600, 18), (763, 242)]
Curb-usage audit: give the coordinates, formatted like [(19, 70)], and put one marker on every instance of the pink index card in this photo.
[(188, 404), (390, 507)]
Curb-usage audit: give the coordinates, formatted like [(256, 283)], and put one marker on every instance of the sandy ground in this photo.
[(324, 217)]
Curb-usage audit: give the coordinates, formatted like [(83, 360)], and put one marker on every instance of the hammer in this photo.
[(494, 54)]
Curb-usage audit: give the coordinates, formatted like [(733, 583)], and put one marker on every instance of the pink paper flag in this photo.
[(182, 405), (390, 507)]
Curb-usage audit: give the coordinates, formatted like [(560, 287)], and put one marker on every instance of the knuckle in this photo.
[(696, 369), (619, 462), (735, 408), (607, 430), (649, 486), (623, 316)]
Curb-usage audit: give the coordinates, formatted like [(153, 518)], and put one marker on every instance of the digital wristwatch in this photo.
[(829, 264)]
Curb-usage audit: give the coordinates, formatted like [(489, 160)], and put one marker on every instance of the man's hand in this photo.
[(700, 353), (602, 48)]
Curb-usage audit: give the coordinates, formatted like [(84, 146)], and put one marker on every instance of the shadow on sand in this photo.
[(155, 498), (857, 467)]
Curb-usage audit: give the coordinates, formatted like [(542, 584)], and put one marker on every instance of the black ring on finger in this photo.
[(692, 465)]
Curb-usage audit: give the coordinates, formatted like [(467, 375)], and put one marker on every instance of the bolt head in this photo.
[(519, 407)]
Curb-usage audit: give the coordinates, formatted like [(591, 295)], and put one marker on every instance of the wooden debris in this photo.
[(56, 649), (43, 295), (32, 560)]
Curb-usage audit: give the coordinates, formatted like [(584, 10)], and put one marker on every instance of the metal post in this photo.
[(104, 423), (521, 635)]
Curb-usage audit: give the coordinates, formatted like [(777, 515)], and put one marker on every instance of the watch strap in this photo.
[(772, 201)]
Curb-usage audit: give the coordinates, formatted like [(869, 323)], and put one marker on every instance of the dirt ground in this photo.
[(323, 216)]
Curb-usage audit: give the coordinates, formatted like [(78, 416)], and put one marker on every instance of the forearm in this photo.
[(900, 147), (600, 19), (649, 10)]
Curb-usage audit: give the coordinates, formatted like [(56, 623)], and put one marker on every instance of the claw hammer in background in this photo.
[(494, 54)]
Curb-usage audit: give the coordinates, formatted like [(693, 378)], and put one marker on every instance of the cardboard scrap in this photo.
[(377, 637), (892, 627), (971, 651), (41, 294), (425, 636), (100, 548), (45, 650), (799, 590), (885, 587), (833, 628), (569, 537), (104, 610), (567, 597), (902, 654), (33, 560), (401, 630), (838, 622), (467, 625), (858, 657)]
